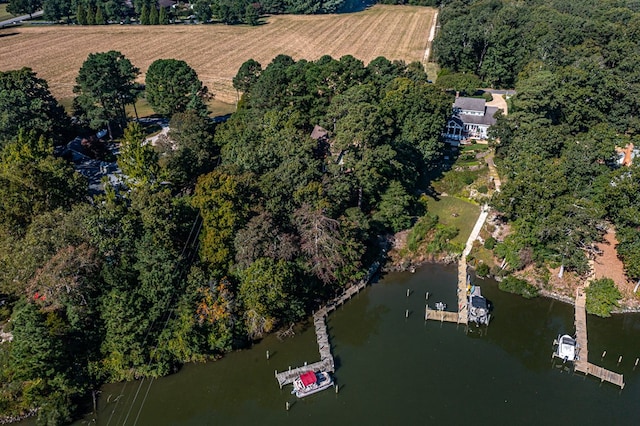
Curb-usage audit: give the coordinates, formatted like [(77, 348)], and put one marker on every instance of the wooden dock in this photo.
[(287, 377), (326, 362), (582, 364), (461, 316)]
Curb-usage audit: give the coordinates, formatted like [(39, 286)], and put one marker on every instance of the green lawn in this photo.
[(456, 212), (476, 147), (482, 255), (145, 110), (4, 15), (432, 69)]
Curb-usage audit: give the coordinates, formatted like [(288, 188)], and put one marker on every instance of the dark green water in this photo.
[(395, 370)]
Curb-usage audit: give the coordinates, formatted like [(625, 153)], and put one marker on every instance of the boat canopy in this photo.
[(479, 302), (308, 378), (566, 340)]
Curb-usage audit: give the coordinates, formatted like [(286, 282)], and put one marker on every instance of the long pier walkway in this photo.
[(462, 315), (582, 364), (326, 362)]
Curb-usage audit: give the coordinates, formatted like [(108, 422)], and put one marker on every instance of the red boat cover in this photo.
[(308, 378)]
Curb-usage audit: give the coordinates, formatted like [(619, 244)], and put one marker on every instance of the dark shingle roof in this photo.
[(486, 119), (470, 104), (166, 3)]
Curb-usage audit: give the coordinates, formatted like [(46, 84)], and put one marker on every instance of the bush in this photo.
[(419, 231), (468, 179), (490, 243), (487, 96), (602, 297), (443, 235), (482, 270), (515, 285), (454, 181), (483, 189)]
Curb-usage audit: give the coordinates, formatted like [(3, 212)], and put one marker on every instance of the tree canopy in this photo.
[(105, 84), (173, 86), (576, 101), (27, 104), (220, 233), (20, 7)]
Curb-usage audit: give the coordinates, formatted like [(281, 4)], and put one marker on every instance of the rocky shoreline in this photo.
[(5, 420), (409, 265)]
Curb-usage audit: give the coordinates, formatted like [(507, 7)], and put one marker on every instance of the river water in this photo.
[(393, 370)]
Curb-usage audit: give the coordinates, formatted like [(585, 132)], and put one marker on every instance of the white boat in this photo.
[(478, 307), (311, 382), (566, 348)]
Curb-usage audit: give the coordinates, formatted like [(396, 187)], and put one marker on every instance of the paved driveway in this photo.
[(19, 19)]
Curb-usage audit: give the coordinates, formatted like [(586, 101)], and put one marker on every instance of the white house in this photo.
[(471, 119)]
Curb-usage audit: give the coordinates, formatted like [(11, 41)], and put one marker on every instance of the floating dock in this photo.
[(326, 362)]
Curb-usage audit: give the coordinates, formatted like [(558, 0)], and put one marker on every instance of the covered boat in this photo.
[(478, 307), (566, 348), (311, 382)]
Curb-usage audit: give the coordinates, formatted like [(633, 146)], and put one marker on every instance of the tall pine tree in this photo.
[(153, 15), (99, 19), (91, 16), (81, 15), (144, 15), (163, 19)]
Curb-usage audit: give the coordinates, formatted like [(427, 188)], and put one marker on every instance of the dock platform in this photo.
[(462, 315), (326, 362), (287, 377), (582, 364)]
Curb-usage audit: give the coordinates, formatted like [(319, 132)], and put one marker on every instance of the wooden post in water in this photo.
[(406, 314), (267, 354), (408, 292), (603, 354), (619, 359), (336, 388), (636, 364), (427, 296), (287, 405)]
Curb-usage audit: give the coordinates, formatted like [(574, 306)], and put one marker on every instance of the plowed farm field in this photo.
[(216, 51)]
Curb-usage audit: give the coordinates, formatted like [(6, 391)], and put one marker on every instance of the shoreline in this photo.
[(408, 265), (5, 420)]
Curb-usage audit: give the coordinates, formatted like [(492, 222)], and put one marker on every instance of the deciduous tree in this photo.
[(33, 181), (26, 103), (19, 7), (268, 291)]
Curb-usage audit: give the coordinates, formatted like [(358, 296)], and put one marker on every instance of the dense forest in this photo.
[(154, 12), (574, 67), (216, 235)]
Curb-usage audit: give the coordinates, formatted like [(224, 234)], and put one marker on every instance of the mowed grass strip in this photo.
[(453, 211), (4, 15), (216, 52)]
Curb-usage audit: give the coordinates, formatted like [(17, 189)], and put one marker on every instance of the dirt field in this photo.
[(608, 265), (217, 51)]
